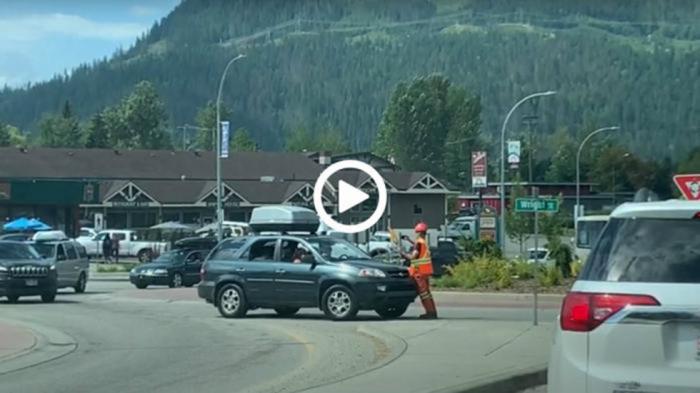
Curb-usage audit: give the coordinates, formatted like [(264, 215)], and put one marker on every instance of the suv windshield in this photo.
[(46, 250), (646, 250), (12, 251), (336, 250)]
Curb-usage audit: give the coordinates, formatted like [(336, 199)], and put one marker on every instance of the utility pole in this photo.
[(503, 163), (219, 189)]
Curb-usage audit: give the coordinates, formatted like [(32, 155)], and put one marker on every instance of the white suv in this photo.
[(631, 322)]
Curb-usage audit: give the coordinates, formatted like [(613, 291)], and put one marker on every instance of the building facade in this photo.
[(67, 188)]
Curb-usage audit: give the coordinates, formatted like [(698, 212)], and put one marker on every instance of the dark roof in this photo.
[(47, 163), (257, 192)]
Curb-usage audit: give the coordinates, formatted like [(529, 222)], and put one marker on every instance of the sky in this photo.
[(42, 38)]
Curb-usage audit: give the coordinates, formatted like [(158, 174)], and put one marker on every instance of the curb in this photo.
[(109, 276), (503, 383), (50, 344)]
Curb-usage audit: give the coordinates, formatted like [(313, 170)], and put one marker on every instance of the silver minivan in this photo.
[(71, 261), (631, 323)]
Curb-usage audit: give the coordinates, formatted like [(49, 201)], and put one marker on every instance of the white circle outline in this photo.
[(360, 166)]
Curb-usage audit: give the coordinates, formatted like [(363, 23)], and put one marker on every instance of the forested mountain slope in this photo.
[(325, 64)]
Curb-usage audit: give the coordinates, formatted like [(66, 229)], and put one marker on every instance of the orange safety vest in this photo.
[(423, 265)]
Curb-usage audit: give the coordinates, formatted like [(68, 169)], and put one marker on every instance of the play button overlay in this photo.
[(349, 196)]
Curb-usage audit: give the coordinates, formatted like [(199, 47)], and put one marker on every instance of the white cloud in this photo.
[(144, 10), (38, 26)]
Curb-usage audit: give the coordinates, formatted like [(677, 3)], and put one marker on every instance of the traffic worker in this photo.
[(421, 269)]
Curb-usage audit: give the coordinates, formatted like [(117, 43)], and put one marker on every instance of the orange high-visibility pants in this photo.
[(423, 285)]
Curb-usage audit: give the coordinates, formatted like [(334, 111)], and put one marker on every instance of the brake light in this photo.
[(697, 215), (583, 312)]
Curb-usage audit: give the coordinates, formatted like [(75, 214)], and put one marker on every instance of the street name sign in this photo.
[(546, 205)]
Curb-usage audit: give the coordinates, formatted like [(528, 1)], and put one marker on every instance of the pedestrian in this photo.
[(107, 249), (115, 247), (420, 270)]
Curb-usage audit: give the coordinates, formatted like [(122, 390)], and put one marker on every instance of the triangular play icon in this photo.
[(349, 196)]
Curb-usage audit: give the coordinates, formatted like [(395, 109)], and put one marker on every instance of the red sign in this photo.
[(479, 169), (689, 185)]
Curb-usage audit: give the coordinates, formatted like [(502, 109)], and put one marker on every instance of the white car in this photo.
[(543, 255), (631, 322), (380, 243), (86, 234)]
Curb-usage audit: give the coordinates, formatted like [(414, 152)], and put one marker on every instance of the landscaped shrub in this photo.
[(481, 272), (522, 270), (576, 267), (549, 277)]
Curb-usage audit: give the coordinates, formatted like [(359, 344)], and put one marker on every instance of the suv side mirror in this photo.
[(60, 257)]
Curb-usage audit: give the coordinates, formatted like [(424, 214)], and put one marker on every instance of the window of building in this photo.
[(116, 220), (170, 217), (143, 219), (191, 218)]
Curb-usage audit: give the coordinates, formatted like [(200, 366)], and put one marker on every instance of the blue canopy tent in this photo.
[(24, 224)]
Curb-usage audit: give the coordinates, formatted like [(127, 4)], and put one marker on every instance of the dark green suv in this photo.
[(287, 273)]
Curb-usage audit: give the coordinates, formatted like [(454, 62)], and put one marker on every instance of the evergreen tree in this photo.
[(332, 141), (4, 135), (98, 132), (206, 121), (300, 140), (242, 141)]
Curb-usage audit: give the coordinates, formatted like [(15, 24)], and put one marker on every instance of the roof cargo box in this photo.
[(283, 219)]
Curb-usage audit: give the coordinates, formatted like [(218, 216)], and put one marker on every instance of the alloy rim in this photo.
[(339, 303), (230, 300), (177, 280)]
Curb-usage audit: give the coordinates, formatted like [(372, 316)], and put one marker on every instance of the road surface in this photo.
[(120, 339)]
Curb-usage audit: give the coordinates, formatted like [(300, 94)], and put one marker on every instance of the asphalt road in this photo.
[(162, 340)]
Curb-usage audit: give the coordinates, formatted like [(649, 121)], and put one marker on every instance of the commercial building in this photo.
[(140, 188)]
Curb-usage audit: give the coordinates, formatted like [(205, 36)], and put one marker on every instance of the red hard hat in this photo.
[(421, 227)]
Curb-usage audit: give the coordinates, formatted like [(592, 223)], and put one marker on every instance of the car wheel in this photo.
[(48, 297), (145, 256), (189, 285), (339, 303), (141, 286), (392, 311), (176, 281), (286, 311), (81, 284), (12, 298), (231, 301)]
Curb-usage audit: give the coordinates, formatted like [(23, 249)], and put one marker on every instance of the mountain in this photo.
[(323, 64)]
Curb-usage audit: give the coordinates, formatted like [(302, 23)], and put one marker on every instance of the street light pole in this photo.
[(219, 208), (577, 208), (503, 165)]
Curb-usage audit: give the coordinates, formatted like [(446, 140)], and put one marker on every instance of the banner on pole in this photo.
[(224, 138), (514, 153), (479, 169)]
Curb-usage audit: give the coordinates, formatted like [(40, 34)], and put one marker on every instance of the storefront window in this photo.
[(143, 219), (191, 218), (170, 217), (116, 220)]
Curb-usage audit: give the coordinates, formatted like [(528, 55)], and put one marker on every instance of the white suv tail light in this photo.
[(583, 312)]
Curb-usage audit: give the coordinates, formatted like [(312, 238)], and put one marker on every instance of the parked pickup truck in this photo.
[(129, 245)]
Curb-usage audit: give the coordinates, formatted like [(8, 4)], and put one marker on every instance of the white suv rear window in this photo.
[(646, 250)]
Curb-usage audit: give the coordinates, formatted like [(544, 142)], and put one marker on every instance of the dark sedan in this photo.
[(24, 273), (174, 268)]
